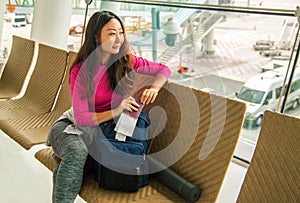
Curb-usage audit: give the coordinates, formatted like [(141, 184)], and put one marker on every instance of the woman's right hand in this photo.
[(128, 104)]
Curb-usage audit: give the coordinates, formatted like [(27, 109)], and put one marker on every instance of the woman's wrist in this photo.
[(155, 87), (158, 83), (116, 112)]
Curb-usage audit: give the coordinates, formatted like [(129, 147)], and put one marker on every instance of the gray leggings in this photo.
[(67, 177)]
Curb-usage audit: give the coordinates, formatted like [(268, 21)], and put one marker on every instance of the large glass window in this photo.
[(218, 49), (252, 96)]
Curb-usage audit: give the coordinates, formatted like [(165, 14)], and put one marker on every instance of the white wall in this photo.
[(50, 23), (111, 6), (2, 10)]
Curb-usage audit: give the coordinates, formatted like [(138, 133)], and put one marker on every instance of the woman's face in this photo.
[(112, 37)]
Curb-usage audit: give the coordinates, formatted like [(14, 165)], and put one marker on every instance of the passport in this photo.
[(127, 122), (135, 114)]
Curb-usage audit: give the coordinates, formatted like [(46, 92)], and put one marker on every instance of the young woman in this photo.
[(101, 80)]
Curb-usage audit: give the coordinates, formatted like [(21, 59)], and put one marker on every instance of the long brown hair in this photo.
[(119, 65)]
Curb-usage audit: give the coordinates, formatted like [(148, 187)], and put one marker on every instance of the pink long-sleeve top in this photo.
[(104, 98)]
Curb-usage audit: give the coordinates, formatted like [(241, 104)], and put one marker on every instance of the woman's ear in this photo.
[(97, 40)]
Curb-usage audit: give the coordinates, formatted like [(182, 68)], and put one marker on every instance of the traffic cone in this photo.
[(182, 69)]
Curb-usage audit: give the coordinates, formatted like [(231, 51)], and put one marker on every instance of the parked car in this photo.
[(261, 47), (262, 91), (18, 21), (271, 52), (265, 42), (282, 57), (76, 29)]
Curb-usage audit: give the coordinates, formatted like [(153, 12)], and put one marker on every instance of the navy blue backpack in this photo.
[(122, 165)]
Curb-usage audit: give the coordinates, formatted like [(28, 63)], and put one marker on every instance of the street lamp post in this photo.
[(171, 30), (155, 26)]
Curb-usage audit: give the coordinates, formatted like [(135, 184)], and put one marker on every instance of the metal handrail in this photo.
[(239, 9)]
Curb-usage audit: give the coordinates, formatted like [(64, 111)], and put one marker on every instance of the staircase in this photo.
[(170, 52), (207, 25), (288, 34), (191, 39)]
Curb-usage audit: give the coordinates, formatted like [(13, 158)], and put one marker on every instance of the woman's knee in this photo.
[(76, 150)]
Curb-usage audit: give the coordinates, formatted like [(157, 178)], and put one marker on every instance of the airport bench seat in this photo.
[(43, 85), (207, 125), (16, 67), (33, 130), (273, 174), (27, 120)]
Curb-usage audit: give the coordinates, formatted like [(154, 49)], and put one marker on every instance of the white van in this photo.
[(262, 92), (18, 20)]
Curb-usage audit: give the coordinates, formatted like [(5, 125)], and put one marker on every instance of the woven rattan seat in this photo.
[(273, 174), (42, 86), (32, 130), (208, 156), (16, 68)]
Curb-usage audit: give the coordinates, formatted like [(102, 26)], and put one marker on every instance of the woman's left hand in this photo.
[(149, 95)]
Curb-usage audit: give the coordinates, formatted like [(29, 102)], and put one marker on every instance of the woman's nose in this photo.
[(118, 38)]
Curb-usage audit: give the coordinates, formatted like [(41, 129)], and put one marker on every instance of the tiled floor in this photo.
[(23, 179)]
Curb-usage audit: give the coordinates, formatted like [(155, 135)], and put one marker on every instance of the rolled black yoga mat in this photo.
[(187, 190)]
